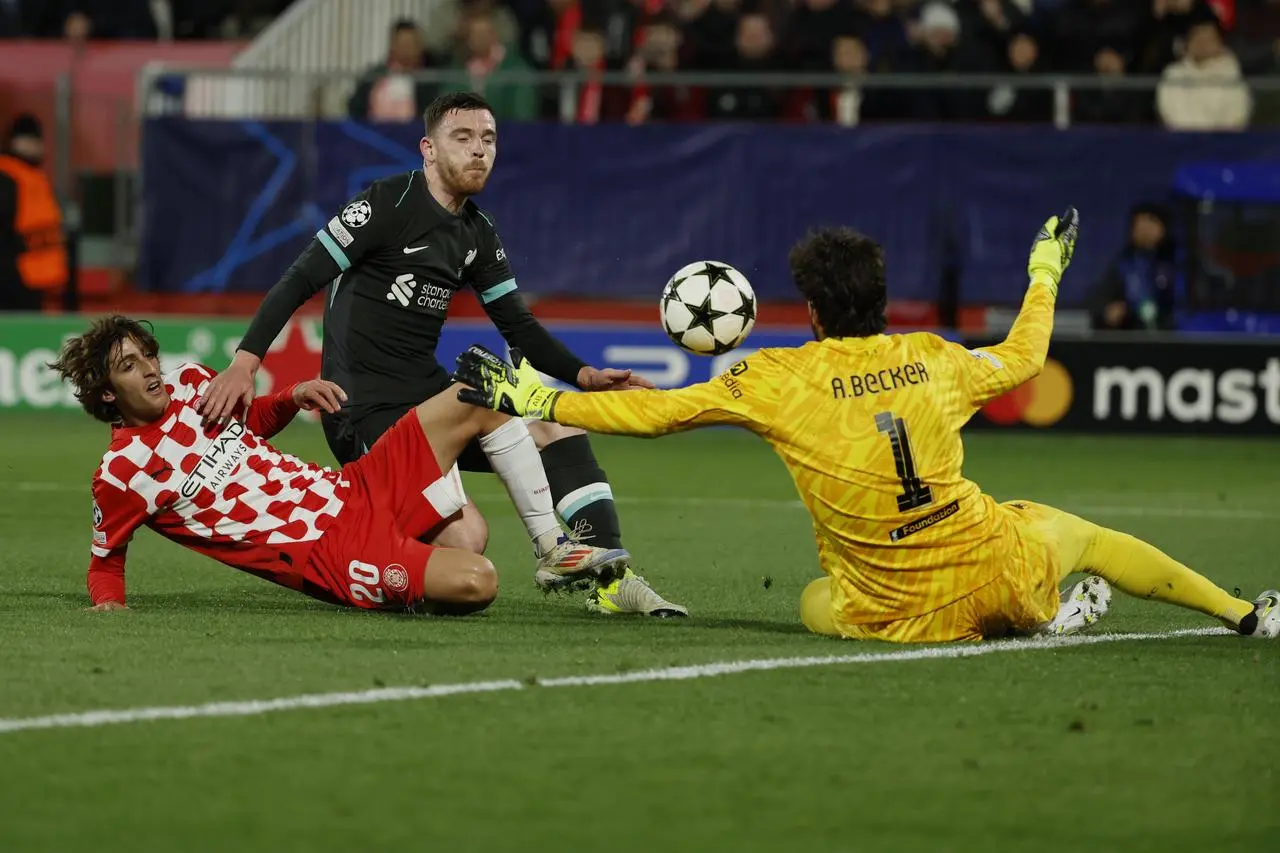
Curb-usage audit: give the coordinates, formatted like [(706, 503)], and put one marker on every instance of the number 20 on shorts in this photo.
[(366, 583)]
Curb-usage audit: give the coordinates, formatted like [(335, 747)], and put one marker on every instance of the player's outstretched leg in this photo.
[(584, 499), (450, 425), (1144, 571)]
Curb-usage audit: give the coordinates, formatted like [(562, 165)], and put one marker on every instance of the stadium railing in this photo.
[(323, 35), (312, 93), (332, 35)]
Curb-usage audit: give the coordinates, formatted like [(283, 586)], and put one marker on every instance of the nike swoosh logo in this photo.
[(409, 251)]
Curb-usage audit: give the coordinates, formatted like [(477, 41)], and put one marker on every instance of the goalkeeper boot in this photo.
[(632, 594), (1082, 605), (1264, 621), (570, 563)]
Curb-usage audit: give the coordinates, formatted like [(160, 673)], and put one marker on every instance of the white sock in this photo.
[(516, 461)]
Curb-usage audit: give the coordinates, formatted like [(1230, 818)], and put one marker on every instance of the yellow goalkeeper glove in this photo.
[(512, 388), (1051, 252)]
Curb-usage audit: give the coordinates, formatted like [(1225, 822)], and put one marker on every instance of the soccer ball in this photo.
[(708, 308)]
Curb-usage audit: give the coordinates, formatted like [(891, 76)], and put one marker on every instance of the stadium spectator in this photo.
[(593, 100), (446, 37), (164, 20), (882, 30), (660, 51), (712, 27), (941, 49), (485, 55), (852, 103), (1112, 105), (538, 24), (1042, 10), (1258, 20), (1083, 27), (388, 92), (756, 53), (988, 26), (1256, 39), (1017, 103), (545, 37), (30, 18), (33, 254), (843, 105), (1167, 29), (1204, 90), (1256, 43), (620, 22), (118, 19), (77, 28), (1139, 288), (1226, 12), (811, 30)]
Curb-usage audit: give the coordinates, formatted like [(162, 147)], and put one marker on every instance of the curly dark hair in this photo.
[(840, 273), (85, 361), (445, 104)]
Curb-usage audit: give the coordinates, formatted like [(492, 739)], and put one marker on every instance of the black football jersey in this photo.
[(393, 258)]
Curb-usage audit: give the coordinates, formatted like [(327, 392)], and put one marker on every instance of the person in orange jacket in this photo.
[(33, 251)]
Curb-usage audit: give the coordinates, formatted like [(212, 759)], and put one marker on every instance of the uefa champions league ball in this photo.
[(708, 308)]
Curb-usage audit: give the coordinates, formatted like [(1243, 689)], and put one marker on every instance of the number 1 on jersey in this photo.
[(915, 494)]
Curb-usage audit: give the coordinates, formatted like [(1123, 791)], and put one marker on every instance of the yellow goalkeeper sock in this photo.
[(1144, 571)]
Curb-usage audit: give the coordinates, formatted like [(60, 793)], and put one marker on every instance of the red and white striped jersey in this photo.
[(222, 491)]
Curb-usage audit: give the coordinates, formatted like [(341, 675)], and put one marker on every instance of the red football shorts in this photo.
[(370, 556)]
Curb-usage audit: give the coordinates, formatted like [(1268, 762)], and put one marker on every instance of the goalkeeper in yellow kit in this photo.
[(869, 424)]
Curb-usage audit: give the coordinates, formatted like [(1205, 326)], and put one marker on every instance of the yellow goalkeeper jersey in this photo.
[(869, 429)]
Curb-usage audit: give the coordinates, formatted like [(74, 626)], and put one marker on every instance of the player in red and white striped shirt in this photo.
[(348, 537)]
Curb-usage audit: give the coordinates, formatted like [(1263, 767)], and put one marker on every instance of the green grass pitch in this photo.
[(1161, 745)]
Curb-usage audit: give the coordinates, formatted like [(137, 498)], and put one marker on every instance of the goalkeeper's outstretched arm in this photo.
[(649, 414), (989, 372), (743, 396)]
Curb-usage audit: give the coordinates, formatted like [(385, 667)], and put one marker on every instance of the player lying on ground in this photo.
[(347, 537), (869, 424), (393, 259)]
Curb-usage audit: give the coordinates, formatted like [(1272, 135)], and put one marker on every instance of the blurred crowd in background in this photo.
[(1218, 42), (1213, 43), (465, 43), (162, 20)]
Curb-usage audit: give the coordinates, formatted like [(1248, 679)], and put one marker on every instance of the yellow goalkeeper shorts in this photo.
[(1043, 545)]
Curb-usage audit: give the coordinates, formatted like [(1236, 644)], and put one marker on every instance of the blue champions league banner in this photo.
[(615, 210), (29, 342)]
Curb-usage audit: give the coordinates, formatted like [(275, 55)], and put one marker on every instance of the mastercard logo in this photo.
[(1041, 402)]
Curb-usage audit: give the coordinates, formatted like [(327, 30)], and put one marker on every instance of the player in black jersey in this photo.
[(393, 259)]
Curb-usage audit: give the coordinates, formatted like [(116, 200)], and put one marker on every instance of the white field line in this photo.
[(254, 707), (1116, 510)]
